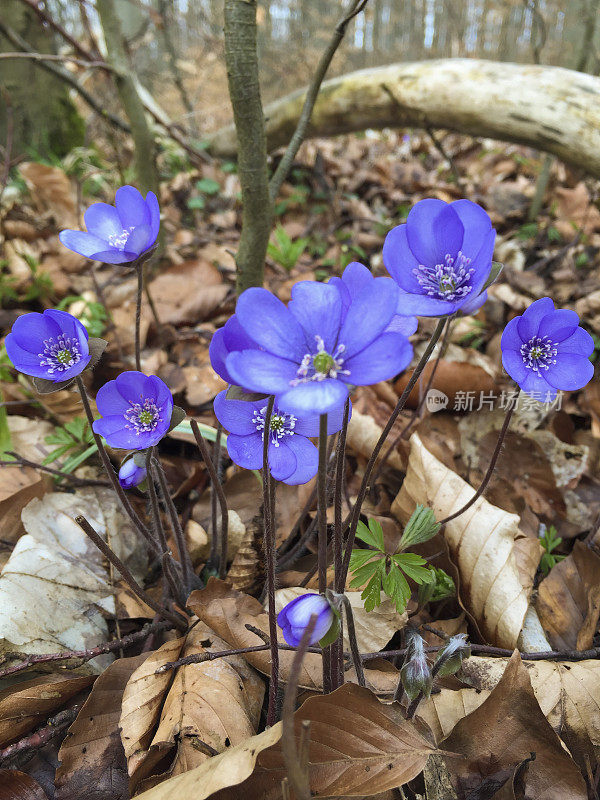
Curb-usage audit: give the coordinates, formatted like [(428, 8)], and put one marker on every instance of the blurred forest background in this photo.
[(176, 46)]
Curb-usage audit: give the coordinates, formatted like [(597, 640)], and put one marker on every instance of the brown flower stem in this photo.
[(337, 666), (297, 771), (271, 561), (137, 522), (89, 531), (356, 657), (185, 561), (492, 465), (81, 656), (322, 540), (219, 493), (365, 484), (139, 268)]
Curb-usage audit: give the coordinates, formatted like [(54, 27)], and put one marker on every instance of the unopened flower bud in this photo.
[(131, 475), (293, 618), (415, 674), (450, 657)]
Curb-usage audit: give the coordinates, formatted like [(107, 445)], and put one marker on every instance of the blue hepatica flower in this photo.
[(293, 459), (136, 411), (441, 257), (131, 475), (358, 279), (314, 349), (293, 618), (53, 345), (545, 350), (117, 234), (226, 340)]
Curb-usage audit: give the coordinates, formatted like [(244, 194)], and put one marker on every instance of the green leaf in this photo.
[(60, 451), (396, 588), (372, 593), (360, 557), (412, 565), (196, 202), (421, 527), (208, 186), (5, 440), (332, 634), (372, 535), (362, 574), (76, 460)]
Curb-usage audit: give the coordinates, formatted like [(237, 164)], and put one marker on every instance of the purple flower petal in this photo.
[(260, 371), (448, 234), (421, 234), (282, 461), (400, 261), (30, 330), (538, 387), (481, 264), (404, 325), (308, 424), (559, 325), (511, 338), (513, 363), (318, 309), (132, 208), (531, 318), (477, 226), (390, 354), (571, 372), (25, 361), (313, 397), (138, 239), (270, 324), (473, 303), (235, 415), (246, 451), (307, 460), (103, 221), (579, 342), (421, 305), (368, 316), (111, 402), (83, 243), (153, 208)]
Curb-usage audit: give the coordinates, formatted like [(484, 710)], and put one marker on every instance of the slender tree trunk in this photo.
[(145, 151), (242, 73)]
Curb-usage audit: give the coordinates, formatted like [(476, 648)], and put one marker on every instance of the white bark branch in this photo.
[(549, 108)]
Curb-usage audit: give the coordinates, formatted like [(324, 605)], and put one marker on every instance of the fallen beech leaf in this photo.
[(202, 384), (227, 769), (575, 208), (19, 486), (25, 705), (55, 585), (15, 785), (568, 461), (172, 722), (92, 761), (374, 629), (363, 434), (481, 543), (176, 304), (28, 435), (359, 747), (568, 694), (227, 612), (51, 192), (511, 725), (568, 601)]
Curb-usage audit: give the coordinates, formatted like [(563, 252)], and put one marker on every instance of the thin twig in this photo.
[(218, 489), (41, 737), (73, 479), (89, 531), (139, 268), (311, 98), (322, 539), (81, 656)]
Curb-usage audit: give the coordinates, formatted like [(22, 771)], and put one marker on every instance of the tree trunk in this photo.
[(549, 108), (145, 151), (43, 117)]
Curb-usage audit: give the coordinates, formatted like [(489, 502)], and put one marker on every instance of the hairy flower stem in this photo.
[(337, 664), (322, 545), (492, 465), (364, 487), (187, 568), (89, 531), (139, 268), (296, 759), (270, 557), (219, 493), (137, 522)]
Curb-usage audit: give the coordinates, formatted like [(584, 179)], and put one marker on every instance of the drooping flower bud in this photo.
[(131, 475), (415, 673), (450, 657), (293, 618)]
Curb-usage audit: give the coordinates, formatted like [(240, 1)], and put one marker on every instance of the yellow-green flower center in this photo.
[(64, 356), (146, 417), (323, 362)]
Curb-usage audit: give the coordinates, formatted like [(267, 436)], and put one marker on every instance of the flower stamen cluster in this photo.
[(143, 417), (280, 425), (539, 353), (120, 240), (59, 353), (447, 281), (321, 365)]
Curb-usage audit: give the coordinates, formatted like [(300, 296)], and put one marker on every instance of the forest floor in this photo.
[(525, 568)]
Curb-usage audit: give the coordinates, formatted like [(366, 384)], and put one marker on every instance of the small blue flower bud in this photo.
[(415, 673), (450, 657), (293, 618), (131, 475)]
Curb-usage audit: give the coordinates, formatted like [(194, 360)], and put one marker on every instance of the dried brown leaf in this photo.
[(15, 785), (188, 292)]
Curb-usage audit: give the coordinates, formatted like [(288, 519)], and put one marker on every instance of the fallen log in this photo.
[(550, 108)]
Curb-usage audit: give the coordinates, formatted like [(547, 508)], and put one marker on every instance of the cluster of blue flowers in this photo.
[(308, 355)]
